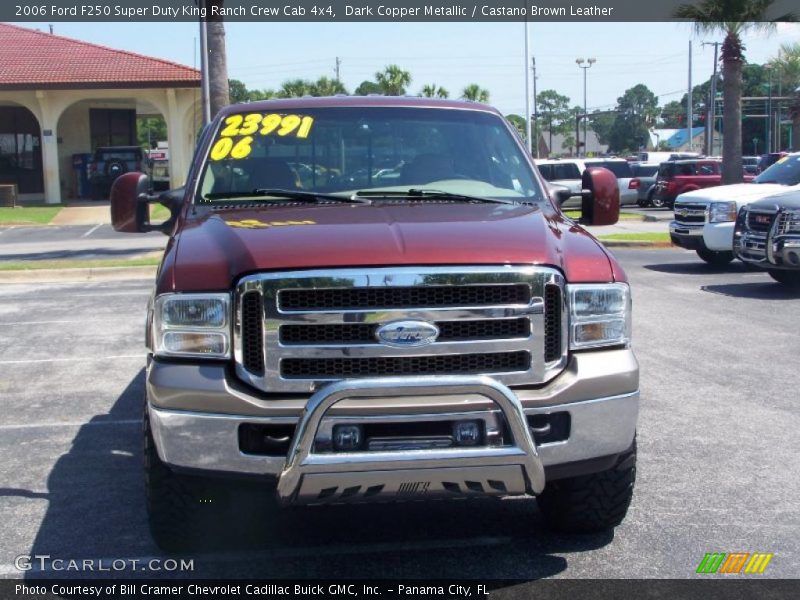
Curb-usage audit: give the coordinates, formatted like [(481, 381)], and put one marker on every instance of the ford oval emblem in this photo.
[(407, 334)]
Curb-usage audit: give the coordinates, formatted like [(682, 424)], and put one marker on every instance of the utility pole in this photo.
[(768, 145), (336, 68), (690, 116), (712, 116), (589, 62), (535, 111), (205, 92), (528, 134)]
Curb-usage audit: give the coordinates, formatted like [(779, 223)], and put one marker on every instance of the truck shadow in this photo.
[(700, 268), (762, 290), (96, 510)]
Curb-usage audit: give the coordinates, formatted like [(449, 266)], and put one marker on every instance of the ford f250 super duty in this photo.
[(372, 299)]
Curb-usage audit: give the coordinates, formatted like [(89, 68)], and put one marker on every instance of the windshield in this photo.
[(343, 150), (557, 172), (786, 171), (644, 170)]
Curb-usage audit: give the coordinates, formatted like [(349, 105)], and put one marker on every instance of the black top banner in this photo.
[(354, 10)]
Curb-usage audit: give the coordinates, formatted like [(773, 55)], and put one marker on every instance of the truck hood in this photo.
[(789, 200), (213, 249), (742, 193)]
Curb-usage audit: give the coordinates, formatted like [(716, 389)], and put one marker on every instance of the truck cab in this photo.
[(343, 336)]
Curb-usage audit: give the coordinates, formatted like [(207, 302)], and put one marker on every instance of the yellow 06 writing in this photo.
[(282, 125), (226, 148)]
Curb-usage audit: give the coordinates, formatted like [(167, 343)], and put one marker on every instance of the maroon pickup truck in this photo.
[(679, 176), (372, 299)]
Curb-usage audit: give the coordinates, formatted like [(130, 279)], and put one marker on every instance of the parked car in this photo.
[(767, 160), (644, 182), (622, 170), (108, 163), (568, 171), (565, 173), (449, 336), (750, 165), (767, 235), (705, 218), (681, 176)]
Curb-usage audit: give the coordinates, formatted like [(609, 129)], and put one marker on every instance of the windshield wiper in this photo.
[(307, 197), (428, 194)]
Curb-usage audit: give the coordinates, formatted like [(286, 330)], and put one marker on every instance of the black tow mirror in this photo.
[(130, 205)]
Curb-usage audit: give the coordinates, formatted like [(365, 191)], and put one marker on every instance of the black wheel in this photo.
[(591, 503), (790, 278), (179, 507), (718, 259), (657, 202), (643, 203)]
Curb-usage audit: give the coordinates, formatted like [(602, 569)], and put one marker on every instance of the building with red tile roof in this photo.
[(61, 97)]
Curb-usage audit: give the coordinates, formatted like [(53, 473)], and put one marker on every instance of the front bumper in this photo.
[(768, 252), (599, 390), (710, 236)]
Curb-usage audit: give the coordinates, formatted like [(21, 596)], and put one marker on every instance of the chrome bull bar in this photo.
[(310, 477)]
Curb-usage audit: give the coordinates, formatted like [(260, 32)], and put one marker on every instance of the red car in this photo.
[(348, 337), (680, 176)]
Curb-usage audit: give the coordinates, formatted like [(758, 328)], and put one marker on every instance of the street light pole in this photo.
[(589, 62), (768, 145), (205, 93)]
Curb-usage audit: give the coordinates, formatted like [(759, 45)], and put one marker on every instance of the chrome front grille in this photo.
[(690, 214), (759, 221), (321, 326)]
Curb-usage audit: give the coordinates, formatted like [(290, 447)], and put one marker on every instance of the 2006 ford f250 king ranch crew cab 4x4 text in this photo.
[(374, 299)]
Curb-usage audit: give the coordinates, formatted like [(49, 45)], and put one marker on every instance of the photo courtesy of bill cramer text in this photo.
[(350, 10), (263, 591)]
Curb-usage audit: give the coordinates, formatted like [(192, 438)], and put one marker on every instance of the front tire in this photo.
[(790, 278), (712, 257), (178, 506), (590, 503)]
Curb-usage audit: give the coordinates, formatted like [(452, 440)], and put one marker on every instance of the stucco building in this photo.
[(60, 97)]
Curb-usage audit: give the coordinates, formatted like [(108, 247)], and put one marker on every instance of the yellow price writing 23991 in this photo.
[(257, 123)]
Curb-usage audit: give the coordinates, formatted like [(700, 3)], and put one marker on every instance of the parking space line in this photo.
[(120, 422), (81, 321), (81, 359), (301, 552), (4, 229), (92, 230)]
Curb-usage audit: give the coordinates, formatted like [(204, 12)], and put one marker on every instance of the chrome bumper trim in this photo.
[(686, 229), (431, 466), (209, 442)]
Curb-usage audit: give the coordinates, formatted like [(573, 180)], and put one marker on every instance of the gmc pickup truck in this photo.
[(705, 219), (346, 337)]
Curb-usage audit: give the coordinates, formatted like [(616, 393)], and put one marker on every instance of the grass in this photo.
[(148, 261), (158, 213), (26, 215), (623, 216), (636, 237)]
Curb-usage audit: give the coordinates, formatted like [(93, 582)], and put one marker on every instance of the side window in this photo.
[(686, 169), (706, 170)]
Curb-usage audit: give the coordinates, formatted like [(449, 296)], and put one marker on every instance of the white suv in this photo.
[(568, 172)]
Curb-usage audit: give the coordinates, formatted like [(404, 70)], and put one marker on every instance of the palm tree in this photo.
[(219, 93), (296, 88), (325, 86), (788, 65), (434, 91), (475, 93), (393, 80), (732, 18)]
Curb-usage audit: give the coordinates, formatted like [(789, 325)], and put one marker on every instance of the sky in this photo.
[(452, 55)]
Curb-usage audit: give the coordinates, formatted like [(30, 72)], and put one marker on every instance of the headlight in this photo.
[(600, 315), (192, 325), (721, 212)]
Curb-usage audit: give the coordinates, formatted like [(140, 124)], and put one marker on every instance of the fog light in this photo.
[(347, 437), (467, 433)]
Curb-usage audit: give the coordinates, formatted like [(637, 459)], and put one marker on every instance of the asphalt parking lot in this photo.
[(718, 468)]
